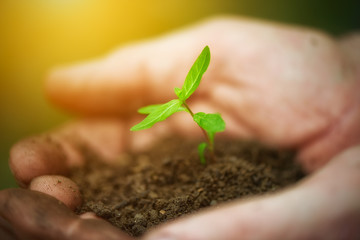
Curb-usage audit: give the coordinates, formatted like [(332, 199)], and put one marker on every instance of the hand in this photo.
[(26, 214), (285, 86)]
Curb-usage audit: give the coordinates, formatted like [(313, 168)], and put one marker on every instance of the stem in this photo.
[(211, 146), (187, 107)]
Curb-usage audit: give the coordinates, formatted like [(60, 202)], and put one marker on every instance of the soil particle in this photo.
[(143, 190)]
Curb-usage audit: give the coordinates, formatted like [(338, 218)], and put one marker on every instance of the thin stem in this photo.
[(211, 147), (187, 107)]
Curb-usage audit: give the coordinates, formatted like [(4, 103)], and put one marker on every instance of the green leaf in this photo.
[(201, 151), (159, 113), (211, 123), (195, 74), (151, 108)]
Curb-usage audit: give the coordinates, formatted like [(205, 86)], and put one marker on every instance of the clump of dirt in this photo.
[(143, 190)]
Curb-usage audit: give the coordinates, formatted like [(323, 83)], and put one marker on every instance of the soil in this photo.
[(143, 190)]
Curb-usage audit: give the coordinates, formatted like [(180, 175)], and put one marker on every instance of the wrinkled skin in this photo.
[(282, 85)]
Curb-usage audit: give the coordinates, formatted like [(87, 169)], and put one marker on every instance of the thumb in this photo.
[(26, 214), (324, 206), (129, 78)]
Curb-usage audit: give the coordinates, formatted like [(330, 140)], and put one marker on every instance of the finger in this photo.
[(36, 156), (56, 152), (127, 79), (106, 138), (257, 111), (62, 188), (31, 215), (324, 206)]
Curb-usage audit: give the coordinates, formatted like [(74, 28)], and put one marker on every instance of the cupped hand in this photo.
[(285, 86)]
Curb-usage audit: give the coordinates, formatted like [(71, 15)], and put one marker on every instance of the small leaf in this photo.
[(201, 151), (211, 123), (195, 74), (159, 114)]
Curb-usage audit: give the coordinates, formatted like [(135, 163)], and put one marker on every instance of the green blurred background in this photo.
[(36, 35)]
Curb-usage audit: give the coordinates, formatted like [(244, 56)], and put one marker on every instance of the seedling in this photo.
[(210, 123)]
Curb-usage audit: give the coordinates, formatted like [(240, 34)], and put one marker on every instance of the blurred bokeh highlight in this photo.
[(36, 35)]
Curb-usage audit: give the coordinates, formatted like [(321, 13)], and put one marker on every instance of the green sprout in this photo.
[(210, 123)]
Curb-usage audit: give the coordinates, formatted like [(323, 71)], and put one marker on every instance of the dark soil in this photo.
[(143, 190)]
